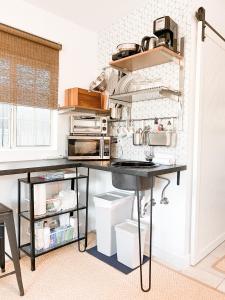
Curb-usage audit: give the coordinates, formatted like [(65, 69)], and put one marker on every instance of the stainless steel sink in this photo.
[(128, 182)]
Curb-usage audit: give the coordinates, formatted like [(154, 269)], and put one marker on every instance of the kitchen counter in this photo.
[(10, 168), (138, 171)]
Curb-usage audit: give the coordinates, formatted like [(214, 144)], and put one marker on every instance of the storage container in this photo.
[(84, 98), (127, 243), (111, 208)]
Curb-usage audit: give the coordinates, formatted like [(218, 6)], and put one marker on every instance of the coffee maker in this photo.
[(166, 30)]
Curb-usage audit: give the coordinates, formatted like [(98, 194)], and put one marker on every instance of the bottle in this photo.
[(46, 235), (39, 237)]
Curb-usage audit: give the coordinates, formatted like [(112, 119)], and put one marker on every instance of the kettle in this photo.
[(148, 42)]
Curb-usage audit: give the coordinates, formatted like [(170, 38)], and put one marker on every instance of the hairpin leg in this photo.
[(139, 236)]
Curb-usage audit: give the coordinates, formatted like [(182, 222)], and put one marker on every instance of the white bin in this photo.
[(127, 243), (111, 208)]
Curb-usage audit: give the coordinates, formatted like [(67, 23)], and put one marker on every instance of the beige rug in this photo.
[(220, 265), (68, 274)]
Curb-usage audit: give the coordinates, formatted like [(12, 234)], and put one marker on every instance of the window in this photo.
[(28, 88), (23, 126), (5, 113), (33, 126)]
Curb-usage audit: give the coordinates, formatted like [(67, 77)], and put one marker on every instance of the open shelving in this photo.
[(157, 56), (77, 108), (28, 215), (153, 93), (26, 248)]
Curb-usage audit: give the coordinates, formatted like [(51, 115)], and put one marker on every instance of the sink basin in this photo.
[(128, 182), (134, 164)]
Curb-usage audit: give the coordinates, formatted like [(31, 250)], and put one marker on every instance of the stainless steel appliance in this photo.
[(148, 42), (88, 147), (88, 125), (167, 32)]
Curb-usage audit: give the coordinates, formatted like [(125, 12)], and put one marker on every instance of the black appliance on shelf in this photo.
[(125, 50), (167, 32)]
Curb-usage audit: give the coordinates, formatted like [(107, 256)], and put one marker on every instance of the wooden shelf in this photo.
[(69, 109), (157, 56)]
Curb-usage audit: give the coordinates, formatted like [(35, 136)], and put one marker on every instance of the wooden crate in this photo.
[(84, 98)]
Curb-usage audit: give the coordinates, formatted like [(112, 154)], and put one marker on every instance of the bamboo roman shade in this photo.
[(29, 67)]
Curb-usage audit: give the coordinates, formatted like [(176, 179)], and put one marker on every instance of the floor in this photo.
[(68, 274), (206, 273)]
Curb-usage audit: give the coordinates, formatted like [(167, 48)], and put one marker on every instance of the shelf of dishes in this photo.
[(152, 93)]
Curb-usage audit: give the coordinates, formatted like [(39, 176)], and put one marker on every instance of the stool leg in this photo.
[(10, 226), (2, 247)]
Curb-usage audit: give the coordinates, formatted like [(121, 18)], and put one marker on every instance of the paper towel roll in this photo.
[(39, 199)]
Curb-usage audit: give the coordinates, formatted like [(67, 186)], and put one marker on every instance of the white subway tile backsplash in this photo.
[(132, 28)]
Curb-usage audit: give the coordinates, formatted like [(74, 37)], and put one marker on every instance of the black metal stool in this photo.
[(6, 219)]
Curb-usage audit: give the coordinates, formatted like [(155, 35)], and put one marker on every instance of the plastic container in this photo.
[(111, 208), (46, 235), (127, 243)]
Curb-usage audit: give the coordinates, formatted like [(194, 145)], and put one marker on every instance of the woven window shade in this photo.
[(29, 67)]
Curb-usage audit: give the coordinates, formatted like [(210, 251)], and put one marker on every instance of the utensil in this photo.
[(99, 84), (148, 42), (146, 132), (138, 137)]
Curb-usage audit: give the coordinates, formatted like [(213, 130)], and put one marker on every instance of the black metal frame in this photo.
[(200, 16), (29, 248), (150, 231)]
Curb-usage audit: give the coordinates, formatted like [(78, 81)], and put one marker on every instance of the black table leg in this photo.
[(2, 247), (86, 216), (32, 233), (19, 217), (139, 235)]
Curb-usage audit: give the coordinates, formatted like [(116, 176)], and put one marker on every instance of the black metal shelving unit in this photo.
[(28, 215)]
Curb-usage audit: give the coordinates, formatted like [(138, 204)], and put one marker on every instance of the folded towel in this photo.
[(164, 161)]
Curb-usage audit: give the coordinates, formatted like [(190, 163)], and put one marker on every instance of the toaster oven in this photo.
[(88, 125)]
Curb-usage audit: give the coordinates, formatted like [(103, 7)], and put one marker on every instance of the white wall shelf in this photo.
[(153, 93)]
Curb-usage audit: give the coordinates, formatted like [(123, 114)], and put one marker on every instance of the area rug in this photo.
[(112, 260), (220, 265), (68, 274)]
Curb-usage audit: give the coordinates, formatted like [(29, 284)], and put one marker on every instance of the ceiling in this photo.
[(92, 14)]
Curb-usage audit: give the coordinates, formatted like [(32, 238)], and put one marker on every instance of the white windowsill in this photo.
[(29, 153)]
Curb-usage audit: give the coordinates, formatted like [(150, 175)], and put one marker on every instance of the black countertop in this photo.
[(10, 168)]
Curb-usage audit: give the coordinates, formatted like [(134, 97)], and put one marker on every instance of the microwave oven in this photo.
[(88, 147)]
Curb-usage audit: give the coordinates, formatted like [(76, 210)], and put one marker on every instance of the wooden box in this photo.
[(84, 98)]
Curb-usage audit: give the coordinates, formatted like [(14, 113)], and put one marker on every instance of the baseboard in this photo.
[(173, 260), (209, 248)]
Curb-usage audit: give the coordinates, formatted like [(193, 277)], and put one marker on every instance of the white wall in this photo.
[(171, 223), (78, 64)]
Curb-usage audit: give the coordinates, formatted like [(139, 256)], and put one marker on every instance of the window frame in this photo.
[(29, 152)]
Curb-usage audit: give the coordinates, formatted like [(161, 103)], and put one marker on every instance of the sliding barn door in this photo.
[(208, 206)]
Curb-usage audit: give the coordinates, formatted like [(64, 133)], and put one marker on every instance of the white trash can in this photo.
[(127, 243), (111, 208)]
